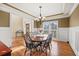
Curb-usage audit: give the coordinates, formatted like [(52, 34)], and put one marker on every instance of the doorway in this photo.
[(27, 27)]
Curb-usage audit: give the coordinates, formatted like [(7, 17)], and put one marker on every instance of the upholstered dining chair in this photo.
[(47, 43), (31, 45)]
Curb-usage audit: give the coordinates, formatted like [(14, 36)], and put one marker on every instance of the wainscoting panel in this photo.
[(74, 39), (63, 34), (6, 36)]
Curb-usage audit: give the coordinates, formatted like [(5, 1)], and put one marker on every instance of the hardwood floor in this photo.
[(58, 48)]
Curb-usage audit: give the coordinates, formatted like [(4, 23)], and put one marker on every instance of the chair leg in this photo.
[(50, 48), (31, 52)]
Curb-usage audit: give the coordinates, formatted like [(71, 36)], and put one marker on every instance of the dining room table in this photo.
[(39, 37)]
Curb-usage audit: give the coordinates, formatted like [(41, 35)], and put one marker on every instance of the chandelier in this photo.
[(40, 18)]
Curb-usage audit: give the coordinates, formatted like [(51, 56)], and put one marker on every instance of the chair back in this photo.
[(27, 38), (49, 38)]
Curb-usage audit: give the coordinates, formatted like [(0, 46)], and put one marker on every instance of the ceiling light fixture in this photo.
[(40, 18)]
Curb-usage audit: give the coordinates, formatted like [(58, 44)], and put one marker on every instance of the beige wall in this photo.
[(74, 19), (4, 19), (63, 22)]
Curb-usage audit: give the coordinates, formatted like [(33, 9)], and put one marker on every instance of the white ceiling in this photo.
[(47, 8)]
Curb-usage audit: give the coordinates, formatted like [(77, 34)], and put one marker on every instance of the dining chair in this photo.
[(47, 43), (31, 45)]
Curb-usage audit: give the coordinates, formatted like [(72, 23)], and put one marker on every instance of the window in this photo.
[(50, 26)]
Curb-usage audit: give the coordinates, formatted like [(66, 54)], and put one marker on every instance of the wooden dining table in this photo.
[(39, 37)]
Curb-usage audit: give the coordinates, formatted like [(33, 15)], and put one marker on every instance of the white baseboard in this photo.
[(75, 51)]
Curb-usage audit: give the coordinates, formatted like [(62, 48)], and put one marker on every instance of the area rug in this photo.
[(39, 53)]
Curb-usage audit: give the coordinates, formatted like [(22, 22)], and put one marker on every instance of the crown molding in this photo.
[(28, 13), (74, 7), (69, 14), (54, 15), (18, 9)]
